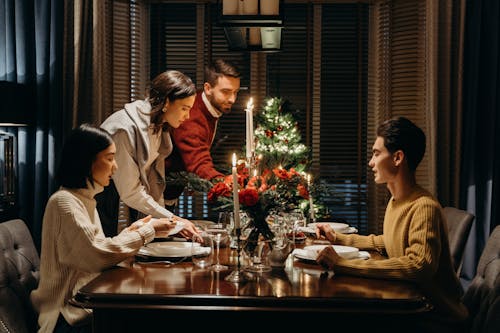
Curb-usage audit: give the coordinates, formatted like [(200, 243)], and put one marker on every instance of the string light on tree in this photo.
[(278, 137)]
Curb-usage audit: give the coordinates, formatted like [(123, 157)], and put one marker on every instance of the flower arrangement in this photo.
[(270, 191)]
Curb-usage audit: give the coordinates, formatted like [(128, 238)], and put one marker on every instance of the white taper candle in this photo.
[(236, 200)]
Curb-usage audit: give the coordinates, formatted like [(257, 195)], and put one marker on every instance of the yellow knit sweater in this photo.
[(415, 241)]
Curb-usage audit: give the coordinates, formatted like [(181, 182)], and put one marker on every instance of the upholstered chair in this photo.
[(19, 275)]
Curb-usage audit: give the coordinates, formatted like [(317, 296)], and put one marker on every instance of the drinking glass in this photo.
[(202, 247), (226, 220), (219, 235)]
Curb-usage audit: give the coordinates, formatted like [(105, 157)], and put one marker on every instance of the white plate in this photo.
[(167, 249), (311, 252), (337, 227)]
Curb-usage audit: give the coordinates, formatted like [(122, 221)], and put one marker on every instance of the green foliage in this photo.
[(190, 181), (279, 141)]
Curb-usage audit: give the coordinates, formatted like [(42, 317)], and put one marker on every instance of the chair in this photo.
[(19, 275), (459, 225), (482, 298)]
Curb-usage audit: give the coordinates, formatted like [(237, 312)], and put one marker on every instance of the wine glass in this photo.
[(226, 220), (219, 235)]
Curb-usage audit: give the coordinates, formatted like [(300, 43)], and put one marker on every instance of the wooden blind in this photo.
[(343, 117), (130, 61), (399, 80)]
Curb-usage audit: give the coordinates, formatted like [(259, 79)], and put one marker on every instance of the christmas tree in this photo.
[(278, 138)]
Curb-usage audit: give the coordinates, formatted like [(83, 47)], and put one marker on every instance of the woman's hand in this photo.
[(163, 226), (325, 231), (139, 223), (189, 228), (328, 257)]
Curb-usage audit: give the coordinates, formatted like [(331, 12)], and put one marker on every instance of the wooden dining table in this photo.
[(140, 295)]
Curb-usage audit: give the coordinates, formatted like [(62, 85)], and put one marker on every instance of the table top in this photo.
[(299, 286)]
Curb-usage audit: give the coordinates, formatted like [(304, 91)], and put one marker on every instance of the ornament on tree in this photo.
[(278, 137)]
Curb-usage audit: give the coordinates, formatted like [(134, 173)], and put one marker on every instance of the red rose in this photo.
[(248, 197), (218, 190), (303, 192), (281, 173)]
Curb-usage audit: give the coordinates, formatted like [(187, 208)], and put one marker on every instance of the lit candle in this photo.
[(311, 205), (249, 128), (236, 200)]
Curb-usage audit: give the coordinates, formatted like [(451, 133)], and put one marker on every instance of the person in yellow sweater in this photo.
[(414, 239), (74, 249)]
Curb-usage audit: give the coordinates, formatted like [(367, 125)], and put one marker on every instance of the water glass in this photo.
[(202, 250)]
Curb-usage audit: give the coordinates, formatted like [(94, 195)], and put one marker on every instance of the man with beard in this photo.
[(193, 139)]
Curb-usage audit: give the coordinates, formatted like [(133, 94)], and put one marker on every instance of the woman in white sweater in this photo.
[(74, 249), (141, 132)]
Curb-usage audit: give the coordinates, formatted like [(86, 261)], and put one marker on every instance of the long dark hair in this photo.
[(172, 85), (79, 152)]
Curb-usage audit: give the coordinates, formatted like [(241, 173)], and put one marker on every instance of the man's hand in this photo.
[(325, 231), (328, 257)]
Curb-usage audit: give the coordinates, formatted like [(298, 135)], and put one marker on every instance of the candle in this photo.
[(311, 205), (236, 200), (249, 128)]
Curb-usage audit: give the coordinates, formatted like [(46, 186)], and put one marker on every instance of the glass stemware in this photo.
[(220, 235)]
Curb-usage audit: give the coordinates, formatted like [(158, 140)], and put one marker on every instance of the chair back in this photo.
[(19, 275), (482, 298), (459, 224)]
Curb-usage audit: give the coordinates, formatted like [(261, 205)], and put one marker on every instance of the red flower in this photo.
[(218, 190), (248, 197), (303, 192), (281, 173)]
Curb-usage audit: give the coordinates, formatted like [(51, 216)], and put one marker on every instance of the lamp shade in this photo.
[(252, 25), (16, 103)]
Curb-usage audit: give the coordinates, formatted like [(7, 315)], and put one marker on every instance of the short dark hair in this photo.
[(220, 68), (170, 84), (402, 134), (79, 152)]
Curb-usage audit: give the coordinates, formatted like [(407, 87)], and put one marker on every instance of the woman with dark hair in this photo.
[(74, 247), (141, 132)]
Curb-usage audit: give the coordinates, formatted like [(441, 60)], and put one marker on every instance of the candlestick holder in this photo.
[(237, 276), (251, 163)]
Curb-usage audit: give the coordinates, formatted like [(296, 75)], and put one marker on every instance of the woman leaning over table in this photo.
[(74, 248), (141, 131)]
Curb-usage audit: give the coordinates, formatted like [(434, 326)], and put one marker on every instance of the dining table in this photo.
[(139, 295)]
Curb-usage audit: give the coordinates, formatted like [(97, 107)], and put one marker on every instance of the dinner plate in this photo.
[(167, 249), (311, 252), (336, 226)]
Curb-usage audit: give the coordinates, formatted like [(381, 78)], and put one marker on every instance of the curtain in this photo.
[(31, 54), (480, 177), (449, 136)]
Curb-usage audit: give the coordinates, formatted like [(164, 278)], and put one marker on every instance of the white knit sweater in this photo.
[(74, 251)]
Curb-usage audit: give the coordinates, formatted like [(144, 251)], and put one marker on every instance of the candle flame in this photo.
[(250, 104), (234, 159)]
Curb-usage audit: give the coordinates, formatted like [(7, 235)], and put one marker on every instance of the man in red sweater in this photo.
[(193, 139)]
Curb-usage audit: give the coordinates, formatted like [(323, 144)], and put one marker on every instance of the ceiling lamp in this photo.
[(252, 25)]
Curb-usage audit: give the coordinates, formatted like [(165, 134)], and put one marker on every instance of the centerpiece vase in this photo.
[(258, 244)]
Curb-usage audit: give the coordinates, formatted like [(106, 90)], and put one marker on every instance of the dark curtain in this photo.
[(31, 34), (480, 182)]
